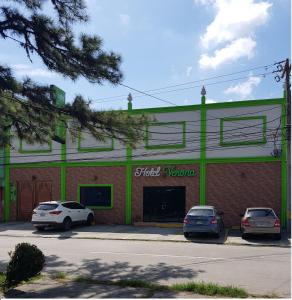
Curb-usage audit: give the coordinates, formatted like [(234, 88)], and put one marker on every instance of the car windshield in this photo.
[(201, 212), (260, 213), (47, 206)]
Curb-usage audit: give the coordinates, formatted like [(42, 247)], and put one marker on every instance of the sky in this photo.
[(177, 45)]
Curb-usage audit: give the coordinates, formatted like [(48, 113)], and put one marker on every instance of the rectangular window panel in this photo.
[(87, 143), (34, 148), (243, 131), (166, 135), (96, 196)]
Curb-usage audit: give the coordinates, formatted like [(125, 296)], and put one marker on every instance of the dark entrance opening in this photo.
[(164, 204)]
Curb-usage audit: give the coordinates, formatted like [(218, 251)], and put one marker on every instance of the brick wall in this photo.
[(234, 187), (39, 174), (191, 184), (101, 175)]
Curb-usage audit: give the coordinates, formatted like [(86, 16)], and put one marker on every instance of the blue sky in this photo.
[(171, 42)]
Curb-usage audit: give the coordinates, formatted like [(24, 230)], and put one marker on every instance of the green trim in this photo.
[(168, 146), (128, 207), (209, 106), (92, 185), (6, 211), (263, 140), (283, 169), (203, 122), (255, 159), (92, 149), (21, 150)]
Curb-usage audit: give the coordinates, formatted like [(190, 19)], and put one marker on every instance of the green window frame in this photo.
[(168, 146), (21, 150), (92, 149), (262, 140), (97, 185)]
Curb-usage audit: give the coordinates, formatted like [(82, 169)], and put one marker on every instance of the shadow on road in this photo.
[(101, 271)]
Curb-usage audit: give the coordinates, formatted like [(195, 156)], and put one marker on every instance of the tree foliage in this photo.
[(28, 106)]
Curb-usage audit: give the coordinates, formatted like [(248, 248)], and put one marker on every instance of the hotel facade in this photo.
[(231, 155)]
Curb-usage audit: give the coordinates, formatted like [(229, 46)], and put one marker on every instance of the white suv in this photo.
[(61, 214)]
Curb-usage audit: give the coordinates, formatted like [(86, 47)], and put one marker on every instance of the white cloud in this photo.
[(244, 89), (234, 19), (189, 71), (243, 47), (233, 26), (208, 101), (27, 70), (186, 101), (125, 19)]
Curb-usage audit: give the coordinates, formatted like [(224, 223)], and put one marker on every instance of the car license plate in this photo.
[(199, 222)]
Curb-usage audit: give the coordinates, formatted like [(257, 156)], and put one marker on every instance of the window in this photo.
[(73, 205), (257, 213), (97, 196), (201, 212), (47, 206)]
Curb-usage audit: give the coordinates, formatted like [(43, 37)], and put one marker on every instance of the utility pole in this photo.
[(287, 73)]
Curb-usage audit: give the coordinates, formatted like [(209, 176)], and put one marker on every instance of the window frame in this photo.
[(246, 142), (96, 185)]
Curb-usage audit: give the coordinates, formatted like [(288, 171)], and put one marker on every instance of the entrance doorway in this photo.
[(29, 195), (164, 204)]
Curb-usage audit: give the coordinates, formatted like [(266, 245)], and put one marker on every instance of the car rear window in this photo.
[(201, 212), (47, 206), (260, 213)]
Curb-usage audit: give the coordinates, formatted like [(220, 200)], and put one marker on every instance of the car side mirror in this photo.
[(241, 215)]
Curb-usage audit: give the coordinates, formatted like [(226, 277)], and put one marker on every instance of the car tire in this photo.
[(244, 236), (89, 220), (40, 228), (217, 235), (186, 234), (278, 236), (67, 223)]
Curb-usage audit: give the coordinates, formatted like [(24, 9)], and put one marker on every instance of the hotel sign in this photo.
[(168, 171)]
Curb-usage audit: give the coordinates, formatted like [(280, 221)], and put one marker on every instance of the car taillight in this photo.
[(213, 220), (55, 212), (245, 223), (186, 220), (277, 223)]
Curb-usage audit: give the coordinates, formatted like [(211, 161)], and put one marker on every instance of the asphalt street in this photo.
[(260, 270)]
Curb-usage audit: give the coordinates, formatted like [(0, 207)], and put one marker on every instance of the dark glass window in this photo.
[(201, 212), (258, 213), (73, 205), (47, 206), (99, 196)]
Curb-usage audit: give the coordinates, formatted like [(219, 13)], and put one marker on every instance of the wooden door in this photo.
[(26, 193)]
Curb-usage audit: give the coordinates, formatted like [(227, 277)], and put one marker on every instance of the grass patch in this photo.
[(59, 275), (210, 289), (2, 280)]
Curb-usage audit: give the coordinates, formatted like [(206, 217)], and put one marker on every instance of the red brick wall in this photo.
[(191, 184), (234, 187), (101, 175), (40, 174)]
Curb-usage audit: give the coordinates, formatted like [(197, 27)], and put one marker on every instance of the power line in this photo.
[(194, 81)]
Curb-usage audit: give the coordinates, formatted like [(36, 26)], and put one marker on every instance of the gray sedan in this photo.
[(203, 218), (260, 220)]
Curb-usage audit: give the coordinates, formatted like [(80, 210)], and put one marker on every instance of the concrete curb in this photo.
[(153, 240)]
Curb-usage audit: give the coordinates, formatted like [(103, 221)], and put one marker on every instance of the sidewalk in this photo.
[(136, 233)]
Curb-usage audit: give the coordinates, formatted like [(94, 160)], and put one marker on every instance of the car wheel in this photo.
[(89, 220), (67, 223), (217, 235), (244, 236), (40, 228), (278, 236), (186, 234)]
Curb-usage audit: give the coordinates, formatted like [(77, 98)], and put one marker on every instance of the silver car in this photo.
[(203, 218), (260, 220)]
